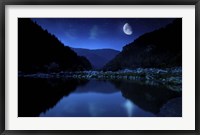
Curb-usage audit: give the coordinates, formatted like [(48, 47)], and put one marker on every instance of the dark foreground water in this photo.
[(94, 98)]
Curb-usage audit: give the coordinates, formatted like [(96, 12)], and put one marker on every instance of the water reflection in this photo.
[(38, 95), (129, 107), (149, 98), (93, 105), (83, 98)]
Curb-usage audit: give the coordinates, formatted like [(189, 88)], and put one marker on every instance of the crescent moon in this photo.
[(127, 29)]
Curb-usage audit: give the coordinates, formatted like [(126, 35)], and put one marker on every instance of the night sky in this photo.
[(98, 33)]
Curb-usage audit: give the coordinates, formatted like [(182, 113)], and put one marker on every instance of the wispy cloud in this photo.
[(94, 32), (70, 35)]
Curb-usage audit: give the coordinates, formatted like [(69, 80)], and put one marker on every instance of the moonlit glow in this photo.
[(127, 29), (100, 33), (129, 107)]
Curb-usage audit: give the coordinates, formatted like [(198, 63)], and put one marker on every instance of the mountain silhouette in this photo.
[(40, 51), (97, 57), (161, 48)]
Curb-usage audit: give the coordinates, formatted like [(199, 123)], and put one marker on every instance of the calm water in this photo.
[(94, 98)]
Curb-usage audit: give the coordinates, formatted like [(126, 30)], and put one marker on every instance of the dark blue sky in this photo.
[(98, 33)]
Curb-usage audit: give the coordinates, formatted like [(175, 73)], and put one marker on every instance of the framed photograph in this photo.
[(99, 67)]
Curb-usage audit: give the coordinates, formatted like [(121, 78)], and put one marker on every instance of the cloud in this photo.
[(70, 35), (94, 32)]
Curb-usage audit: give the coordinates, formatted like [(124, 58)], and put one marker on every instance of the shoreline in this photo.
[(170, 77)]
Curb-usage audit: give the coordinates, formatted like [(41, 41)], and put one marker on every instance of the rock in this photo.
[(175, 80), (126, 70), (149, 77), (173, 108)]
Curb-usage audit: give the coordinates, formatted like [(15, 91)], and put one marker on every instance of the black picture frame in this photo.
[(3, 3)]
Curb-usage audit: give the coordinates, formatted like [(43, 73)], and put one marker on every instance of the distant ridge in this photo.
[(97, 57)]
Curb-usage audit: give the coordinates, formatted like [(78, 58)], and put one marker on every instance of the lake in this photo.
[(95, 98)]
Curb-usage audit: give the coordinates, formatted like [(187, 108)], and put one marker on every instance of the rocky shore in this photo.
[(171, 77), (173, 108)]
